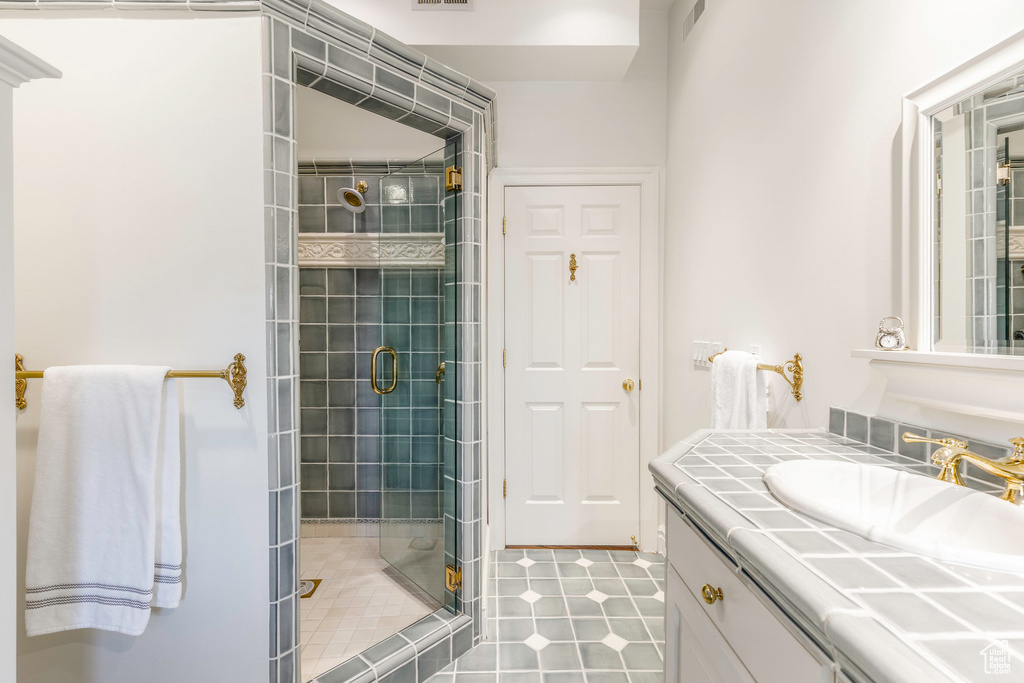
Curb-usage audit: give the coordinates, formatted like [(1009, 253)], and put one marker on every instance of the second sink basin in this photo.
[(906, 511)]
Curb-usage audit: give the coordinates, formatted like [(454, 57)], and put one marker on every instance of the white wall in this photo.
[(329, 129), (8, 491), (138, 206), (783, 183), (588, 123)]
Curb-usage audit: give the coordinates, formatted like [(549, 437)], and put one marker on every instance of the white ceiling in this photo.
[(520, 40), (656, 5)]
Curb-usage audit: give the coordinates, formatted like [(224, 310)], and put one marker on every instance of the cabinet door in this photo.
[(695, 651), (768, 649)]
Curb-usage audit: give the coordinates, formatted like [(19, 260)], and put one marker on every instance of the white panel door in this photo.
[(572, 447)]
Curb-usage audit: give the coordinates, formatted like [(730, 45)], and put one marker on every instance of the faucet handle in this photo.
[(909, 437), (1018, 448)]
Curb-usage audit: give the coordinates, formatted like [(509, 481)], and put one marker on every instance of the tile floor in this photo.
[(567, 616), (360, 601)]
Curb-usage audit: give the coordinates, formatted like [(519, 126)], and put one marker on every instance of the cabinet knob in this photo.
[(628, 385), (711, 595)]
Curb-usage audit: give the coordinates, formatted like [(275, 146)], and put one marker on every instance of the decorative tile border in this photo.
[(356, 167), (387, 250)]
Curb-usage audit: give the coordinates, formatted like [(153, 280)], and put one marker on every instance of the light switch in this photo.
[(700, 354)]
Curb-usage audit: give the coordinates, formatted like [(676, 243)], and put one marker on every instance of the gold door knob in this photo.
[(628, 385), (711, 595)]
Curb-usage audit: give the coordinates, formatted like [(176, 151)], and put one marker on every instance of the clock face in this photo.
[(889, 341)]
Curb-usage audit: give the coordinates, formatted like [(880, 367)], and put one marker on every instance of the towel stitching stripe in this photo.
[(70, 586), (167, 579), (113, 602), (168, 566)]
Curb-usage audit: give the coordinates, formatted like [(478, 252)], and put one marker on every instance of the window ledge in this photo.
[(945, 359)]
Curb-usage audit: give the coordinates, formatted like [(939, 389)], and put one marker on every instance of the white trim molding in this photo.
[(651, 238), (18, 65), (371, 250), (915, 261)]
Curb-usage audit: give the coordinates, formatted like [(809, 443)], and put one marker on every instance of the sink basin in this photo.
[(907, 511)]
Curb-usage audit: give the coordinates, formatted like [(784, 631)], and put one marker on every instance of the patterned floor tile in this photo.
[(569, 616)]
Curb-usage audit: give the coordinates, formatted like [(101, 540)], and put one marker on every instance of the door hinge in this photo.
[(504, 488), (504, 225), (453, 178), (453, 578), (504, 358), (640, 385)]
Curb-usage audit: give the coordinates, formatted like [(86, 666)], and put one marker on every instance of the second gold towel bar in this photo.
[(795, 366), (234, 374)]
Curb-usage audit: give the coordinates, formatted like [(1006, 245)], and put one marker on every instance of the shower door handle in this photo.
[(394, 370)]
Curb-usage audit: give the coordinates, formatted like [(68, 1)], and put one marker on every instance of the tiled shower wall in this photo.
[(343, 463), (399, 203)]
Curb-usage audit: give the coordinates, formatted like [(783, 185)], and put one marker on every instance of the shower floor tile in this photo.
[(593, 616), (360, 601)]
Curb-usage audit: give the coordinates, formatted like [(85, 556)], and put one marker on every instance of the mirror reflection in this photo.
[(979, 222)]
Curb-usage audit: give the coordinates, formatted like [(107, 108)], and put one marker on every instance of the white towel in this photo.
[(738, 397), (104, 543)]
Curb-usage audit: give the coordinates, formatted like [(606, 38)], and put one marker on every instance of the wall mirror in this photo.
[(978, 222), (963, 192)]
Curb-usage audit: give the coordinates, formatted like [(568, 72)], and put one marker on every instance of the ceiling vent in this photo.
[(443, 4)]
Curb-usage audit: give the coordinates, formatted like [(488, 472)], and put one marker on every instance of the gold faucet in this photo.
[(954, 451)]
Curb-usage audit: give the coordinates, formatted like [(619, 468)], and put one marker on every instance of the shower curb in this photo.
[(412, 655)]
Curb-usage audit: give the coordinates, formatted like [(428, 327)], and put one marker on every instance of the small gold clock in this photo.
[(891, 337)]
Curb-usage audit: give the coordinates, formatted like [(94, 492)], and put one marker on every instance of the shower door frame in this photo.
[(445, 375)]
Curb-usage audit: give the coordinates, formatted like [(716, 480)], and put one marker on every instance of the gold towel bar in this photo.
[(233, 374), (796, 366)]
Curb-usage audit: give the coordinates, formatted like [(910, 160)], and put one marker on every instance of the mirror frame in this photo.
[(914, 262)]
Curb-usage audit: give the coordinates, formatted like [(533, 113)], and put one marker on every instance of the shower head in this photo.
[(352, 200)]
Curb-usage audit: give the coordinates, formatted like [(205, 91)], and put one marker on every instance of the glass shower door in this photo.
[(414, 370)]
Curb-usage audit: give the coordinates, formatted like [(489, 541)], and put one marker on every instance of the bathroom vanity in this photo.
[(756, 592)]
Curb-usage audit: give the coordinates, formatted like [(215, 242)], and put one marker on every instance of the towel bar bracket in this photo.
[(795, 367), (19, 384), (234, 374)]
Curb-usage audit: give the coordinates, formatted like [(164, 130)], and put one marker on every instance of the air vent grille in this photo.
[(443, 4)]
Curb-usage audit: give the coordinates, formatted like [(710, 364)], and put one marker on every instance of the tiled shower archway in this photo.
[(317, 46)]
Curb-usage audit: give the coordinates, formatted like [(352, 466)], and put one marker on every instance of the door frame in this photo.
[(651, 237)]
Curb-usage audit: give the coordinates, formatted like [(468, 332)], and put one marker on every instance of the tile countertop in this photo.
[(882, 614)]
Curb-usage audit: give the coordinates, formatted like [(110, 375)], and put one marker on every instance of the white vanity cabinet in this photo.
[(736, 639)]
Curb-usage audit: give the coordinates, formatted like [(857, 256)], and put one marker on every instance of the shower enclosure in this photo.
[(378, 397), (413, 371)]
